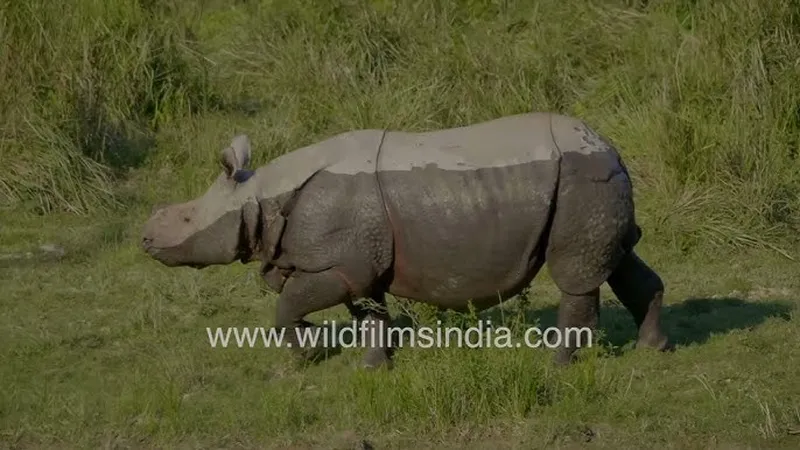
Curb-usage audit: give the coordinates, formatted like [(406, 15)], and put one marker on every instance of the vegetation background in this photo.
[(109, 106)]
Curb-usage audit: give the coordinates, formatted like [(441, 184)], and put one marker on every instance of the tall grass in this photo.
[(701, 96), (84, 87)]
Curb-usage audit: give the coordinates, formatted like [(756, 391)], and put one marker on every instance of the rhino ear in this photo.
[(237, 156)]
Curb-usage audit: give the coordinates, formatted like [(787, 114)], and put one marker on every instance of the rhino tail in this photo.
[(632, 238)]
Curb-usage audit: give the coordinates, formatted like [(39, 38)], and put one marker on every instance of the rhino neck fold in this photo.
[(391, 221), (250, 232)]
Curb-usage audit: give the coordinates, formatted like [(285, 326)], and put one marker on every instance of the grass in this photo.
[(111, 106)]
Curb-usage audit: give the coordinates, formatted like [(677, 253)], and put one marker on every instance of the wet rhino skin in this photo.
[(447, 217)]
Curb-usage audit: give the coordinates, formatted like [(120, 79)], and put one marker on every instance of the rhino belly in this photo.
[(467, 234)]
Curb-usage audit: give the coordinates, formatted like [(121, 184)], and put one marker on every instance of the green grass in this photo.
[(110, 106)]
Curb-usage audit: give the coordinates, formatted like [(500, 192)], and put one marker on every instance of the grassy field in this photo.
[(109, 106)]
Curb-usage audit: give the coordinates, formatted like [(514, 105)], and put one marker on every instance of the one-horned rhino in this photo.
[(447, 217)]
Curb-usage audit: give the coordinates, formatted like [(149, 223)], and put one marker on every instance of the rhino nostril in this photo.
[(146, 242)]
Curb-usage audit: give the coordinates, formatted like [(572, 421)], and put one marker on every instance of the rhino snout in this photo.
[(147, 246), (150, 229), (147, 243)]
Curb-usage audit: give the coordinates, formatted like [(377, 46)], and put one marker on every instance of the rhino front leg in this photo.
[(641, 291), (576, 311), (302, 294)]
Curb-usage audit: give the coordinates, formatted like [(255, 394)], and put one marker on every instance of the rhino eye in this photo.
[(187, 219)]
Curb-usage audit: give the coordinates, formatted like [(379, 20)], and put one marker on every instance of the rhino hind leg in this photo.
[(641, 290), (575, 311), (592, 229), (375, 319), (591, 242)]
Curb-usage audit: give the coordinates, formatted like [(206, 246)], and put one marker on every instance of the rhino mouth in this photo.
[(147, 246), (159, 254), (164, 257)]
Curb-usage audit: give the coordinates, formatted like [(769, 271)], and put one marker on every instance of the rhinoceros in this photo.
[(457, 218)]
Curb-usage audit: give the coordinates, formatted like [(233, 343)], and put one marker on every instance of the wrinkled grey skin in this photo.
[(468, 214)]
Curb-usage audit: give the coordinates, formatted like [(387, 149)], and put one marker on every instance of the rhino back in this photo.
[(350, 153), (468, 206)]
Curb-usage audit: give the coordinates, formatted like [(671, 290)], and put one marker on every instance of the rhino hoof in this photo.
[(660, 343), (564, 357), (377, 363), (388, 365)]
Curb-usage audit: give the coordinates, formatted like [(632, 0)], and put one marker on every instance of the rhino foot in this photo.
[(641, 291), (576, 313), (658, 342), (374, 317), (309, 357), (376, 358), (564, 357)]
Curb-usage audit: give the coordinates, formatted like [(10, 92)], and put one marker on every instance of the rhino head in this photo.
[(225, 224)]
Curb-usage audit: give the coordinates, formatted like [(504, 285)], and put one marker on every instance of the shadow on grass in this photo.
[(695, 320), (690, 322)]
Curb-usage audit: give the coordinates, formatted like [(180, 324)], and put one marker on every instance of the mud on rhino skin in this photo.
[(446, 217)]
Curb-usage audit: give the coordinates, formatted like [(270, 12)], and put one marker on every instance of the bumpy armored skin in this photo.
[(447, 217)]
